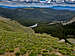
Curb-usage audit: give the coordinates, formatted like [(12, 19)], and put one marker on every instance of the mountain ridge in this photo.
[(70, 21), (32, 16)]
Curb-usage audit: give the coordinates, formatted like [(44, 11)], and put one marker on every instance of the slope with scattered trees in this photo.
[(17, 40)]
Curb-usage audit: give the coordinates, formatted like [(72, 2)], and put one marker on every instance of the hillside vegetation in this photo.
[(60, 30), (11, 25), (17, 40), (31, 16)]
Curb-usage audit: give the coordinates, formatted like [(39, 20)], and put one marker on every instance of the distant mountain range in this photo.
[(69, 22), (30, 16)]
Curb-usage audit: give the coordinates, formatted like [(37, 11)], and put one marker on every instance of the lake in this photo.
[(39, 6)]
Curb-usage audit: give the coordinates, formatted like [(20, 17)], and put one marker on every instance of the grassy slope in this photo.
[(9, 25), (15, 40)]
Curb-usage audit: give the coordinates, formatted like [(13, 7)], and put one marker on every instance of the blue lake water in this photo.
[(64, 8), (53, 7)]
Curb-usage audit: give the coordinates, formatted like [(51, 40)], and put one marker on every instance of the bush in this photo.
[(50, 49), (39, 51), (45, 54), (53, 54), (2, 51), (11, 49), (45, 51), (17, 53), (72, 55), (33, 54), (6, 50), (23, 51)]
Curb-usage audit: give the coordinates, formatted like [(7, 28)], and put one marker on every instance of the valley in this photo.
[(18, 39), (27, 43), (29, 17)]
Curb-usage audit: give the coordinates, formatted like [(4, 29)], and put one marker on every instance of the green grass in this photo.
[(11, 25), (29, 42), (33, 43)]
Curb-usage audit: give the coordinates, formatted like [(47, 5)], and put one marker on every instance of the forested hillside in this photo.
[(70, 29), (57, 29), (17, 40), (31, 16)]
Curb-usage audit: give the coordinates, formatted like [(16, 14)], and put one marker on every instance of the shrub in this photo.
[(17, 53), (72, 55), (39, 51), (33, 54), (23, 51), (50, 49), (2, 51), (45, 51), (6, 50), (53, 54), (11, 49), (45, 54)]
